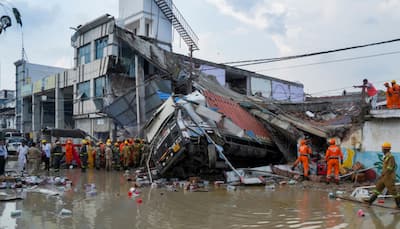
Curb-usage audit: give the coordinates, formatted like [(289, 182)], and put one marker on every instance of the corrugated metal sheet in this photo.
[(123, 109), (160, 116), (236, 113)]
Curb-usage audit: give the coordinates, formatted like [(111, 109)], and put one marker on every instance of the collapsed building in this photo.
[(193, 134), (198, 117), (217, 127)]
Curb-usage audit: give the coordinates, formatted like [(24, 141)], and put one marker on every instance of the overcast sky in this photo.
[(231, 30)]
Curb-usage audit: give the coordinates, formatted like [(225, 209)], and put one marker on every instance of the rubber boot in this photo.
[(337, 181), (372, 199), (397, 202)]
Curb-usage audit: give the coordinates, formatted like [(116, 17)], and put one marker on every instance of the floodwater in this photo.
[(246, 207)]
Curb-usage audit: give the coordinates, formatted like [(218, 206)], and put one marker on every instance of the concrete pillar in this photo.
[(36, 112), (75, 104), (25, 116), (92, 51), (140, 95), (248, 85), (142, 26), (59, 105)]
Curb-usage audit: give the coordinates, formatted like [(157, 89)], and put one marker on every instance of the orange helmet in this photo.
[(303, 142), (332, 141), (386, 145)]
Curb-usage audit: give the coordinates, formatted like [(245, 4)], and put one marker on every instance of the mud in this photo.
[(304, 205)]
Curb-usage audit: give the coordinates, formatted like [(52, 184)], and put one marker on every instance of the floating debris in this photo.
[(360, 213), (16, 213), (231, 188)]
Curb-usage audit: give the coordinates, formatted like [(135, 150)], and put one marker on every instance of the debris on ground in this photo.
[(65, 213)]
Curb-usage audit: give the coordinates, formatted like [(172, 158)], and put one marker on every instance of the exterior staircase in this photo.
[(178, 21)]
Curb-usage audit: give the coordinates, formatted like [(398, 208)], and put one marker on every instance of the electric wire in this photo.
[(268, 60), (329, 61)]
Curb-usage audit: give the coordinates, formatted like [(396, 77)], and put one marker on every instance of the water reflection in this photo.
[(247, 207)]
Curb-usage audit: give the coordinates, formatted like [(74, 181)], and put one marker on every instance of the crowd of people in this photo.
[(118, 155), (87, 155)]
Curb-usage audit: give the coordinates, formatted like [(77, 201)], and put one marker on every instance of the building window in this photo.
[(99, 86), (84, 54), (147, 30), (84, 90), (100, 45)]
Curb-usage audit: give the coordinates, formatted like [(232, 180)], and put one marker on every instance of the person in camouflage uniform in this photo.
[(388, 176), (126, 154), (83, 155), (116, 156)]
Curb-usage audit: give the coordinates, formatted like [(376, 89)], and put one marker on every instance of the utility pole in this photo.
[(189, 82), (140, 95)]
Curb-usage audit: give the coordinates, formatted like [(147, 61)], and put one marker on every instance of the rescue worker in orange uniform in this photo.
[(333, 156), (396, 95), (388, 176), (304, 154), (68, 153), (389, 95)]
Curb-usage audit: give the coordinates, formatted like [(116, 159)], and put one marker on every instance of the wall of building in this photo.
[(89, 38), (366, 142), (277, 90), (377, 131), (26, 74), (135, 14), (128, 8)]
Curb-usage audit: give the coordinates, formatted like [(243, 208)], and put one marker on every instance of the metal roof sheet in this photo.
[(236, 113)]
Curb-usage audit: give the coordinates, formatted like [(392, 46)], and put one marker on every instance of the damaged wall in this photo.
[(354, 140), (377, 131)]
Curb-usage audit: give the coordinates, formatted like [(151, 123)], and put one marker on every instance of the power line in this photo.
[(329, 61), (268, 60)]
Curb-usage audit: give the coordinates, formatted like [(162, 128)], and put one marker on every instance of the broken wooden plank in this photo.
[(362, 202)]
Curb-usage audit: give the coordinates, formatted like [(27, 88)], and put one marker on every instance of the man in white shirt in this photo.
[(22, 151), (3, 156), (46, 148)]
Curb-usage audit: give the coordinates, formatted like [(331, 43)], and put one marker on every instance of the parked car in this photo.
[(12, 134), (13, 143)]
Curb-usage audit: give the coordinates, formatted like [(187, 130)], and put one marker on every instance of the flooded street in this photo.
[(246, 207)]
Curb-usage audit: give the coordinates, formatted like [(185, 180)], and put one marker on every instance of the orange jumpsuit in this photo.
[(304, 153), (68, 153), (396, 96), (332, 156), (389, 97)]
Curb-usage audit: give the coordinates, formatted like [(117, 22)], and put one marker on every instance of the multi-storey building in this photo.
[(105, 68)]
